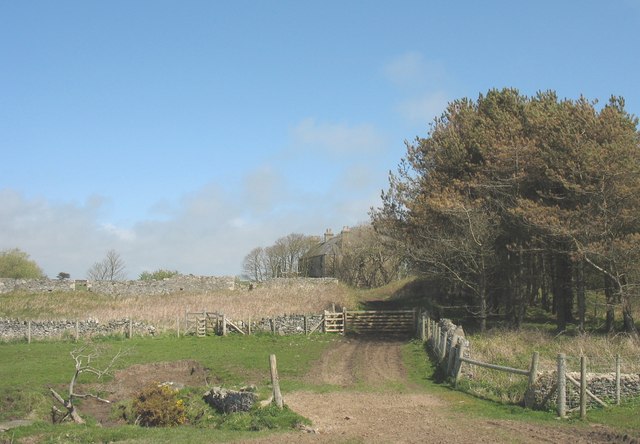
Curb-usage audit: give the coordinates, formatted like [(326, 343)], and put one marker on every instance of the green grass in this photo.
[(26, 370), (233, 360)]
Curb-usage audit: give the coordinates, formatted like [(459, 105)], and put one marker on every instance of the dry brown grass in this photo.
[(263, 301), (515, 349)]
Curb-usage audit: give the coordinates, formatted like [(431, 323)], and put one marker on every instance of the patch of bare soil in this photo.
[(386, 416), (129, 381)]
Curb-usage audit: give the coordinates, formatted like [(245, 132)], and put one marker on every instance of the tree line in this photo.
[(361, 258), (514, 201)]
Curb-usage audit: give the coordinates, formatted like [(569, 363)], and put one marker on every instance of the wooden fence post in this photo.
[(29, 332), (324, 322), (249, 327), (178, 325), (562, 386), (130, 328), (443, 345), (344, 320), (529, 394), (458, 364), (533, 370), (77, 330), (452, 354), (583, 387), (275, 382), (618, 362), (423, 330), (224, 325)]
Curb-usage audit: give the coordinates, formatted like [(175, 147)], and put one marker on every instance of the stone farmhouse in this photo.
[(324, 259)]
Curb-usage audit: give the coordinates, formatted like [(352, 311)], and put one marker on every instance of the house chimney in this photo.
[(328, 234), (345, 234)]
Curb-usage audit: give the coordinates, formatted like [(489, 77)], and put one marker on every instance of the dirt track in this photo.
[(390, 411)]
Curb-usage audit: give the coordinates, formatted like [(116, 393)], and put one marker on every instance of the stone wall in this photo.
[(544, 395), (187, 283), (284, 325), (13, 329)]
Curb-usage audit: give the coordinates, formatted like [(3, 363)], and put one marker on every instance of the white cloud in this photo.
[(120, 233), (422, 82), (263, 189), (423, 109), (336, 140), (412, 70)]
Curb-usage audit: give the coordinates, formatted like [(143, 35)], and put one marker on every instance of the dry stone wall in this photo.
[(187, 283), (544, 395), (286, 324), (13, 329)]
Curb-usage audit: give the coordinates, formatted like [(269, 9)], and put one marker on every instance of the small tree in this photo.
[(367, 258), (84, 363), (62, 276), (111, 268), (16, 264), (253, 264)]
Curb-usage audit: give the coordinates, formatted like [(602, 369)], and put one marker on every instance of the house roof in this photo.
[(330, 246)]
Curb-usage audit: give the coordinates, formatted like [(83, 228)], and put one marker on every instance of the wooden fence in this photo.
[(450, 348)]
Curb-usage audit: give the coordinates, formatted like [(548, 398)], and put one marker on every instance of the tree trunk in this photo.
[(610, 304), (580, 291), (563, 291), (482, 292), (627, 317), (68, 404), (544, 284)]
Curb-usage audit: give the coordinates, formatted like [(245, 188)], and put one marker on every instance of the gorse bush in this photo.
[(158, 406)]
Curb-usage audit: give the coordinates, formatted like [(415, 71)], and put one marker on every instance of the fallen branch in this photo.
[(83, 364)]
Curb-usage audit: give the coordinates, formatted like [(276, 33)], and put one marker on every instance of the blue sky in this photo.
[(183, 134)]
